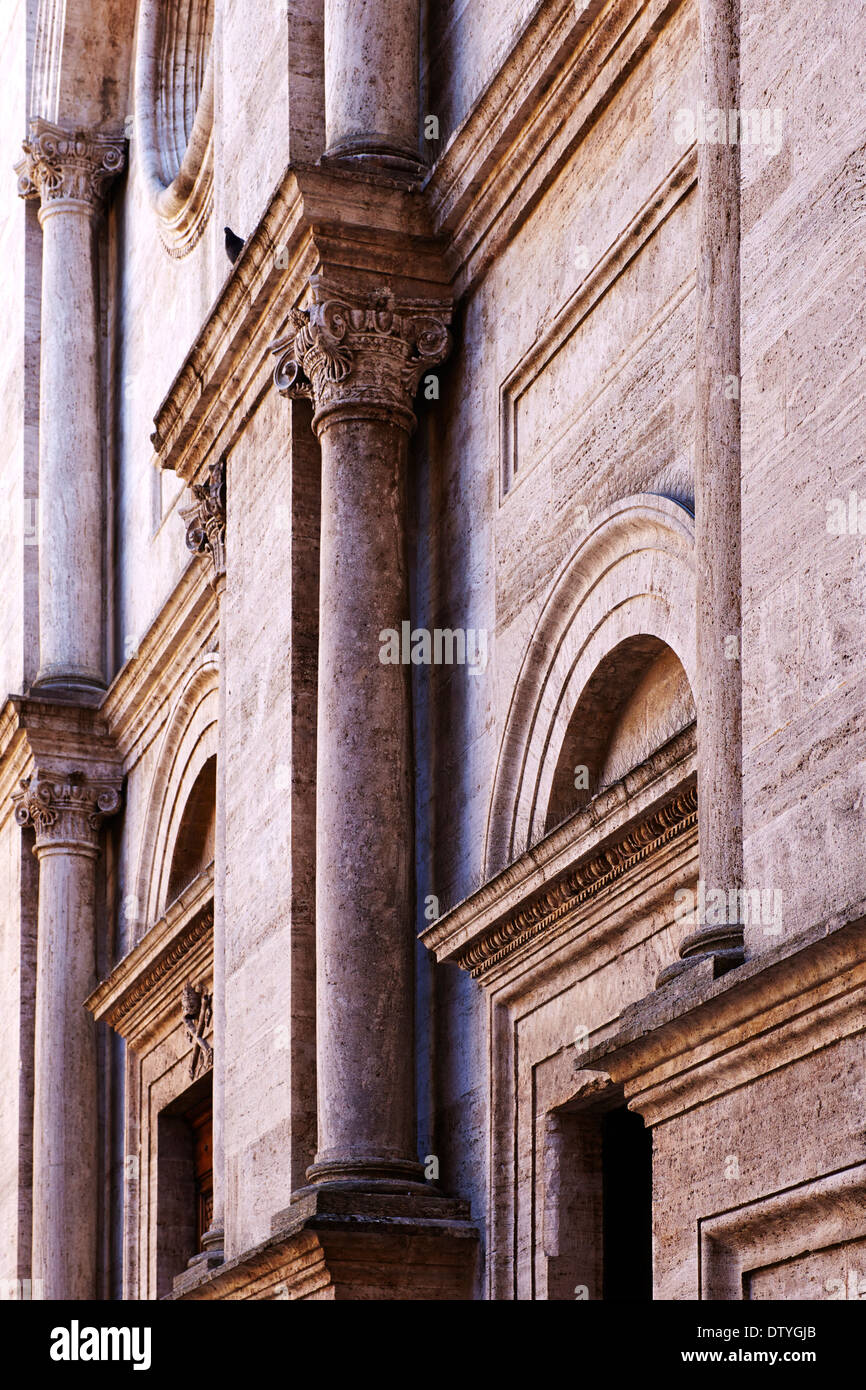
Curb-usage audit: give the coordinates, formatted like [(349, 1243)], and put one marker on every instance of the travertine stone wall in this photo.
[(728, 1153), (570, 387), (270, 994), (20, 249), (804, 732), (18, 872), (20, 256)]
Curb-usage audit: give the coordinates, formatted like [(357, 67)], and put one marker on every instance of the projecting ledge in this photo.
[(700, 1036), (337, 1244)]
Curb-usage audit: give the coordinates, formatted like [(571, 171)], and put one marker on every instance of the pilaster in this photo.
[(205, 518)]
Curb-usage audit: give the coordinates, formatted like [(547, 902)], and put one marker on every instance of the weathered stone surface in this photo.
[(521, 364)]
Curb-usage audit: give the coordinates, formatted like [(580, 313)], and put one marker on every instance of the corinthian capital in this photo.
[(65, 811), (205, 517), (68, 168), (361, 350)]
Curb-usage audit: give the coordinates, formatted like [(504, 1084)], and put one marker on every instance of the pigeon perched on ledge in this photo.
[(234, 245)]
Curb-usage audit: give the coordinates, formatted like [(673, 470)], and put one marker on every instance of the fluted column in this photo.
[(371, 83), (206, 535), (717, 498), (360, 357), (68, 171), (66, 815)]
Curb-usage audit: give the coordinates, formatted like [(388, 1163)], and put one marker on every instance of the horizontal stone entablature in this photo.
[(437, 239), (54, 740), (615, 834)]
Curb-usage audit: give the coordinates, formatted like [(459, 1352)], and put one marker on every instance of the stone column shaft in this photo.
[(66, 817), (371, 82), (717, 493), (360, 357), (364, 868), (68, 172)]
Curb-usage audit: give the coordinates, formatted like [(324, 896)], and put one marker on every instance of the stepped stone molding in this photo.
[(68, 169), (360, 349), (591, 877), (612, 818), (164, 967), (632, 573)]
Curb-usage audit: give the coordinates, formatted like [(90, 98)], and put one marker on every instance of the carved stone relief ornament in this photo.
[(197, 1011), (205, 517), (68, 168), (65, 812), (360, 349)]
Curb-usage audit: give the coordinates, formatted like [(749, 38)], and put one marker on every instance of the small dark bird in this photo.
[(234, 245)]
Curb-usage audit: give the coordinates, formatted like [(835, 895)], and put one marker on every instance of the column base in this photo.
[(60, 683), (334, 1244), (213, 1242), (373, 152), (367, 1174), (200, 1265), (723, 945)]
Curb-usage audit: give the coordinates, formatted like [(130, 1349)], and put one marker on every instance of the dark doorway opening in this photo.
[(626, 1160), (184, 1180)]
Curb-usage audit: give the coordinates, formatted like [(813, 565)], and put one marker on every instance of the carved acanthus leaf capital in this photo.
[(360, 349), (205, 517), (68, 166), (65, 809)]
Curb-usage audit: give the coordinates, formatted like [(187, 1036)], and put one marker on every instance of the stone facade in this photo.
[(433, 752)]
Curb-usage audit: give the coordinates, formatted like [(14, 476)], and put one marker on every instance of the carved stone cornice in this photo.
[(197, 931), (205, 517), (591, 876), (65, 814), (643, 825), (357, 351), (68, 170), (139, 998)]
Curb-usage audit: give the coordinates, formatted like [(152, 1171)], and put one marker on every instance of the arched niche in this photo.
[(616, 630), (181, 792), (193, 848), (637, 698), (174, 115)]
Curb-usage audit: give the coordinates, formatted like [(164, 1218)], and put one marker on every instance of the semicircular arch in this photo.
[(189, 741), (632, 575)]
